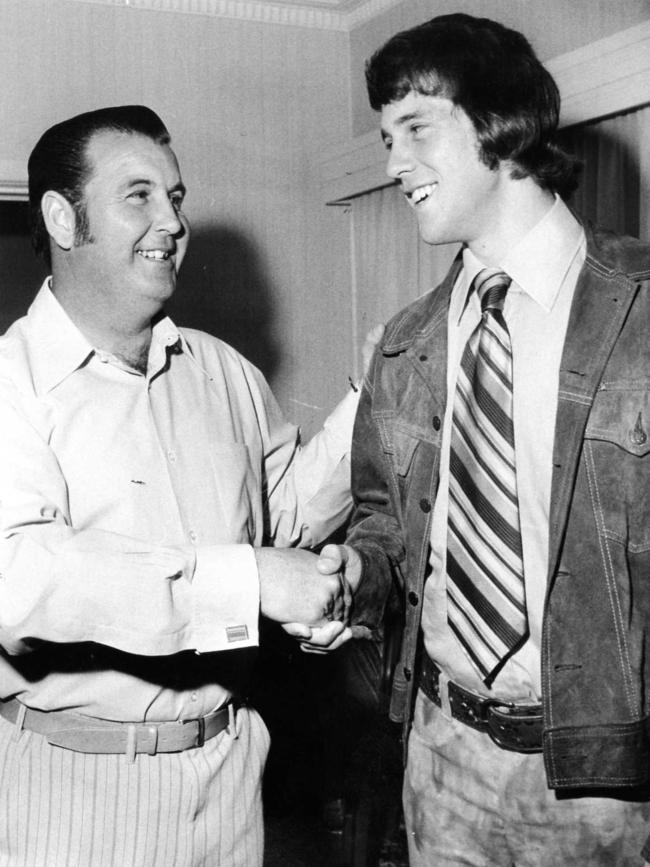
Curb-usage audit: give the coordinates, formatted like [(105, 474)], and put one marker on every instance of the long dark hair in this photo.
[(493, 74)]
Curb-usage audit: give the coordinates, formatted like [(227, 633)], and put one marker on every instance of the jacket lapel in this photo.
[(421, 334)]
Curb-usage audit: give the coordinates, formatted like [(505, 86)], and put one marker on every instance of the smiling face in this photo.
[(137, 233), (434, 154)]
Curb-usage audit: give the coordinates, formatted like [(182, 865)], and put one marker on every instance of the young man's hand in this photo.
[(341, 560)]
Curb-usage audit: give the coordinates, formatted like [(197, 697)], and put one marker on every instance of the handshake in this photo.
[(310, 596)]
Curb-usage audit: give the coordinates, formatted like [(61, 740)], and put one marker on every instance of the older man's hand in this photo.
[(339, 560), (292, 590)]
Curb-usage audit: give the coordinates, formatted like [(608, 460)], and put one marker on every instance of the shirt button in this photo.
[(193, 536), (171, 456), (413, 598), (408, 673), (195, 696), (425, 505), (423, 357), (436, 422)]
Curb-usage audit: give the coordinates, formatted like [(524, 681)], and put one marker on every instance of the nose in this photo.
[(399, 161), (168, 219)]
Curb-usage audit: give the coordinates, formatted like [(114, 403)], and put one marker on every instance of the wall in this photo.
[(249, 106), (553, 27)]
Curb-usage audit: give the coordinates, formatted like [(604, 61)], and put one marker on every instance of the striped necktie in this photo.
[(486, 606)]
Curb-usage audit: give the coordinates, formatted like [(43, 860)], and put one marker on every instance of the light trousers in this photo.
[(469, 802), (198, 808)]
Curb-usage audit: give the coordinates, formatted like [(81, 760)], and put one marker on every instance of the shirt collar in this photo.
[(539, 263), (58, 348)]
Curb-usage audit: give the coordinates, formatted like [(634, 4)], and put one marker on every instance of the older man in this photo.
[(142, 469)]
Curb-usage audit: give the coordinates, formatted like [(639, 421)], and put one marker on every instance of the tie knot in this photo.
[(491, 286)]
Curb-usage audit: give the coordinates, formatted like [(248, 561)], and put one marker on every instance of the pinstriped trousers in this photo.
[(199, 808)]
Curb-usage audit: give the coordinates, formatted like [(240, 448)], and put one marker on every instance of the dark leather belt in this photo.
[(511, 726), (89, 735)]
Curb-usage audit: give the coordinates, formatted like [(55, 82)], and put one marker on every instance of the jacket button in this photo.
[(425, 505), (423, 357), (413, 598), (436, 422), (408, 673)]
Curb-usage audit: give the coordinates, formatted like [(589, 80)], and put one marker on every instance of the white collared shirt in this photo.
[(129, 508), (544, 268)]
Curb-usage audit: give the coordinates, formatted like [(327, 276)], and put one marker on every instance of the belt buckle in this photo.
[(498, 730), (472, 709), (486, 707), (198, 725)]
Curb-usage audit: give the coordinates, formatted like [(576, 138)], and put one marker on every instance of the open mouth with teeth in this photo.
[(420, 194), (158, 255)]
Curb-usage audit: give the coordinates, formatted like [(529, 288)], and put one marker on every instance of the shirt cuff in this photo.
[(226, 593)]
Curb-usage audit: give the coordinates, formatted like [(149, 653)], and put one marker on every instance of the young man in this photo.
[(142, 467), (501, 470)]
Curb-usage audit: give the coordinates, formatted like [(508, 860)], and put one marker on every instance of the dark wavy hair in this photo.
[(493, 74), (59, 162)]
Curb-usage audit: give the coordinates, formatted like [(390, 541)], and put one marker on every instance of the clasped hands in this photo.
[(310, 596)]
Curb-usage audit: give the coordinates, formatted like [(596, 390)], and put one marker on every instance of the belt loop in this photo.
[(131, 739), (232, 721), (153, 746), (20, 720), (443, 686)]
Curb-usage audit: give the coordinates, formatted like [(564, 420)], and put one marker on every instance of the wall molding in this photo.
[(322, 14), (13, 181), (605, 77)]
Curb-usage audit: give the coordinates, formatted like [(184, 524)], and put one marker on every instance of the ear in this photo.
[(59, 218)]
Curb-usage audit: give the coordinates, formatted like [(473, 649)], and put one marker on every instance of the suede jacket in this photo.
[(596, 629)]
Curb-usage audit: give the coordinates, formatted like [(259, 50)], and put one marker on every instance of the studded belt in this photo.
[(511, 726)]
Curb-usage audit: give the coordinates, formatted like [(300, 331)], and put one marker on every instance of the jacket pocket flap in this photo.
[(621, 416)]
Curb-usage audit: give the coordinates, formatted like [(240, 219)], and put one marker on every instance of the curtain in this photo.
[(392, 266), (614, 187)]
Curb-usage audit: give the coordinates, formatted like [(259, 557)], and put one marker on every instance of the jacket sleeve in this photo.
[(374, 530)]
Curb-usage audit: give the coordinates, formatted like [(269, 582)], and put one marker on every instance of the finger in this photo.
[(297, 630), (341, 605), (323, 636), (332, 559), (346, 592), (339, 641)]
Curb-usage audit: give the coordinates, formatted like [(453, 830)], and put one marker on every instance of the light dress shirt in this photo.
[(544, 268), (129, 508)]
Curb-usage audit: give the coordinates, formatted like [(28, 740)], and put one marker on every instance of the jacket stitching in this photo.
[(576, 396), (609, 573), (547, 692), (606, 781)]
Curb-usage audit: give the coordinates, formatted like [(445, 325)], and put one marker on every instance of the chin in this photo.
[(433, 238), (435, 235)]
